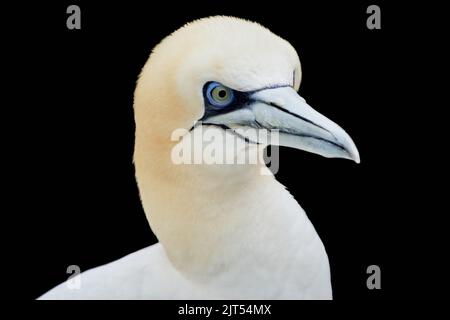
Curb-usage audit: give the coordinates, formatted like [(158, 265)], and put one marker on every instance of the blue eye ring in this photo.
[(218, 95)]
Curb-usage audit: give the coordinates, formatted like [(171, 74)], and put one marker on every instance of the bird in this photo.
[(225, 231)]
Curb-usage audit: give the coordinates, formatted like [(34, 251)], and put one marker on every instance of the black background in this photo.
[(73, 193)]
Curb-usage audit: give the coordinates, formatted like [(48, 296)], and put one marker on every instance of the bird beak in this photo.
[(299, 126)]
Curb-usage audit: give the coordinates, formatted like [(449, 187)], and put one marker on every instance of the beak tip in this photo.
[(351, 150), (355, 156)]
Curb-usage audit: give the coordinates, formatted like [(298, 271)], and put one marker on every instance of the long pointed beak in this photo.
[(299, 126)]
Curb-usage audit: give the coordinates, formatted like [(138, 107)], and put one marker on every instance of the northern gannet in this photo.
[(224, 231)]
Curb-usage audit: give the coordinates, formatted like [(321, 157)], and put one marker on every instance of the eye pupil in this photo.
[(222, 93)]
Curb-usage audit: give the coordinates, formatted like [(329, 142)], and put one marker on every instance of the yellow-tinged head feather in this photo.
[(240, 54)]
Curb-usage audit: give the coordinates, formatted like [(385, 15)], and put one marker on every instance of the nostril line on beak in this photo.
[(279, 107)]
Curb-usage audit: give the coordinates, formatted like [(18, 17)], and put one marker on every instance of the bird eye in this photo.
[(219, 95)]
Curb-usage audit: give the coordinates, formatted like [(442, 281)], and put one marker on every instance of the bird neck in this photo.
[(207, 222)]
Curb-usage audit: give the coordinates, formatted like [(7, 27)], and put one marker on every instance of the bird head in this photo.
[(231, 74)]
